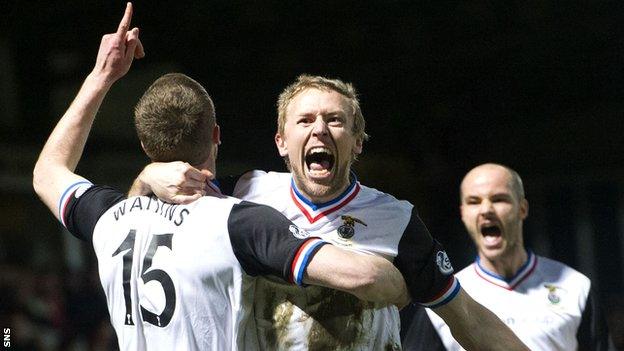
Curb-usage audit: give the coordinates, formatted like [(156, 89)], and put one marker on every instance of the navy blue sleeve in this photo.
[(423, 263), (593, 333), (417, 331), (83, 212), (267, 243)]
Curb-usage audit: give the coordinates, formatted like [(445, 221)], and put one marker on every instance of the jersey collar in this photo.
[(527, 268), (214, 185), (313, 211)]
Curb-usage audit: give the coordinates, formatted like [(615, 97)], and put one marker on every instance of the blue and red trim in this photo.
[(524, 272), (302, 259), (67, 195), (313, 212), (445, 296)]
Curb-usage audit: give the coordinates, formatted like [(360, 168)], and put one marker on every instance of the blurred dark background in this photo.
[(444, 86)]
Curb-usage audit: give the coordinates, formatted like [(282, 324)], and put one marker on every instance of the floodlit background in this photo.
[(444, 86)]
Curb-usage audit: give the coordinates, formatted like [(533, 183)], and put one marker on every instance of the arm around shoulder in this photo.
[(174, 182), (369, 277)]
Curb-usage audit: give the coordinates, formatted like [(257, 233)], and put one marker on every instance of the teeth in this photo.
[(318, 150), (490, 239)]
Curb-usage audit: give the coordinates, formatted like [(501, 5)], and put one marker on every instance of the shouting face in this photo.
[(493, 213), (319, 143)]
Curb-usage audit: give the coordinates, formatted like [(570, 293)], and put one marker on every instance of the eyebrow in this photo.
[(332, 113), (476, 197), (502, 195)]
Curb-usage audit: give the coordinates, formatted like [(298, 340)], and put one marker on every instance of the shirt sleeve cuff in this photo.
[(78, 188), (303, 257), (445, 296)]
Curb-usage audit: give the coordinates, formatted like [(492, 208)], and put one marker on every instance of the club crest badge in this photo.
[(554, 294), (298, 232), (443, 262), (347, 229)]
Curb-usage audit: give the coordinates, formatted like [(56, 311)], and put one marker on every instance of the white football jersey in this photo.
[(543, 303), (178, 277), (361, 219)]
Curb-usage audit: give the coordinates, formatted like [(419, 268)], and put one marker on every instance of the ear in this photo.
[(281, 145), (357, 148), (216, 135), (143, 147), (524, 209)]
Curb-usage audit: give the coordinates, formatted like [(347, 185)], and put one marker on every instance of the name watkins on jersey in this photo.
[(168, 211)]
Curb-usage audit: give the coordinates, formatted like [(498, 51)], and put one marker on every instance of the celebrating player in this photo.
[(320, 132), (179, 277), (549, 305)]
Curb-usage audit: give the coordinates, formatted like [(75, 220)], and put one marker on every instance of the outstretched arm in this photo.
[(369, 277), (475, 327), (55, 167), (267, 243)]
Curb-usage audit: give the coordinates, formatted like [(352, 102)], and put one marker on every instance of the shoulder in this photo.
[(253, 182), (84, 205), (373, 198), (384, 213), (469, 279), (561, 272), (466, 271), (260, 175)]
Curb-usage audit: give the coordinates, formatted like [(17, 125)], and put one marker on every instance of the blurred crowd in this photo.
[(52, 310)]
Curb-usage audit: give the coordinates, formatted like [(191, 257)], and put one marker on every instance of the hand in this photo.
[(118, 50), (176, 182)]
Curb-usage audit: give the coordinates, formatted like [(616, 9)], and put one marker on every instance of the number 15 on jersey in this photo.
[(127, 248)]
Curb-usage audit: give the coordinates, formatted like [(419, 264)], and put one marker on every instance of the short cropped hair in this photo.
[(174, 120), (515, 182), (305, 82)]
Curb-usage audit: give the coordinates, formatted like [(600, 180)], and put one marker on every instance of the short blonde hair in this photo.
[(305, 82)]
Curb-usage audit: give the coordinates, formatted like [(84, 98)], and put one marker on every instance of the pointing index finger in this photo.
[(124, 25)]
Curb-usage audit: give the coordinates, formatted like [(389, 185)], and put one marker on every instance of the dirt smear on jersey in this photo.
[(277, 310), (334, 320), (338, 320)]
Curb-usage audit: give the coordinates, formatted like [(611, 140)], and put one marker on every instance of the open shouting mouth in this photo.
[(492, 234), (319, 161)]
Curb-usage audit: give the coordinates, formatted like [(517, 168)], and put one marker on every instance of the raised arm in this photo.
[(475, 327), (55, 167), (369, 277)]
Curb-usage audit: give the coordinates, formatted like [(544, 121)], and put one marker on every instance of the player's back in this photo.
[(170, 275)]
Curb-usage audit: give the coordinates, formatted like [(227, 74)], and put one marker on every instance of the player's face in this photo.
[(319, 142), (493, 213)]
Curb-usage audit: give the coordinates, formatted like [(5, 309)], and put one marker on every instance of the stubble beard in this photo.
[(320, 191)]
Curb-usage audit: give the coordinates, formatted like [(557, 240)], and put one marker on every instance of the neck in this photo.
[(507, 265), (208, 165), (324, 195)]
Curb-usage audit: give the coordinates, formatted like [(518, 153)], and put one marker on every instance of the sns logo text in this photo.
[(6, 342)]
